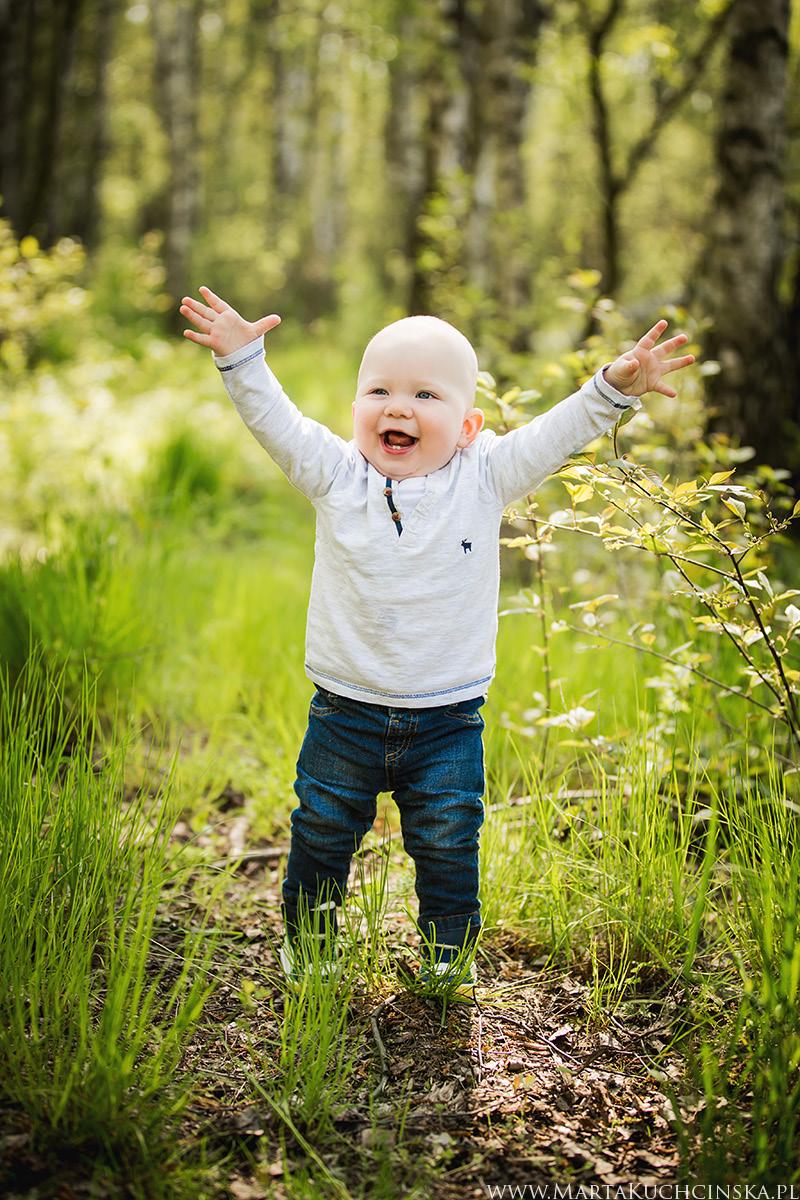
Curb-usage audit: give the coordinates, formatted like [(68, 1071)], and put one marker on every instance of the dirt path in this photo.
[(518, 1088)]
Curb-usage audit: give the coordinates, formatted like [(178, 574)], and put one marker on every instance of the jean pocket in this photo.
[(466, 711), (323, 703)]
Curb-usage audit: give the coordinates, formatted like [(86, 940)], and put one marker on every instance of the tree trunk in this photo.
[(37, 45), (436, 85), (85, 218), (403, 155), (293, 140), (667, 100), (610, 184), (476, 99), (38, 204), (175, 24), (755, 395), (16, 20), (512, 32)]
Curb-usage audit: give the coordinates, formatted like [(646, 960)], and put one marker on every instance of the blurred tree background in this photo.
[(345, 164), (552, 176)]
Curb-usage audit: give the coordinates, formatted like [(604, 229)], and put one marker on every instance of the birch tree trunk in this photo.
[(755, 395), (175, 27), (85, 215), (37, 48), (404, 155), (512, 29), (16, 24)]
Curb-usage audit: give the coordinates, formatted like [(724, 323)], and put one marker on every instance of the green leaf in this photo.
[(735, 506), (586, 278), (765, 583)]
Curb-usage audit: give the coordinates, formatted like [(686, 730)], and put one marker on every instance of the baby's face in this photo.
[(414, 400)]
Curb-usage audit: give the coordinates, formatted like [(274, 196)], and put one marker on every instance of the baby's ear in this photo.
[(473, 424)]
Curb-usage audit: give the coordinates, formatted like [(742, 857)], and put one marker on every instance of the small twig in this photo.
[(562, 794), (554, 1049), (480, 1042), (735, 691), (376, 1033), (267, 854)]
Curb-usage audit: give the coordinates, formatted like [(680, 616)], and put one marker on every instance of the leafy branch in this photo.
[(689, 522)]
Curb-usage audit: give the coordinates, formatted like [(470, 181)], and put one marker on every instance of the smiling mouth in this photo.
[(393, 441)]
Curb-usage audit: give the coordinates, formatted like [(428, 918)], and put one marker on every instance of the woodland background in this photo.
[(552, 178), (335, 161)]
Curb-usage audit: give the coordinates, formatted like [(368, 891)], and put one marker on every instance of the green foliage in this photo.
[(183, 471), (703, 527), (744, 1060), (71, 613), (91, 1030), (55, 301), (128, 300), (442, 258), (167, 568), (43, 302)]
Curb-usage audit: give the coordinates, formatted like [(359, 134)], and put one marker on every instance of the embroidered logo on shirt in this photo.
[(465, 545)]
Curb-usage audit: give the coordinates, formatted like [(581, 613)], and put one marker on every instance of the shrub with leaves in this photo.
[(41, 298), (716, 535)]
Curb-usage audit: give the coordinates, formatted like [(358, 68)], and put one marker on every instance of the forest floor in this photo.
[(516, 1087), (534, 1081)]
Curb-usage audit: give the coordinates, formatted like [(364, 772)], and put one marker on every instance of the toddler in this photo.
[(402, 617)]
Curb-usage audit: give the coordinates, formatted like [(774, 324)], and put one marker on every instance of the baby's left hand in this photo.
[(642, 369)]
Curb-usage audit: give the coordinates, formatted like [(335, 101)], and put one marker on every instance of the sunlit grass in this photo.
[(626, 843), (90, 1033)]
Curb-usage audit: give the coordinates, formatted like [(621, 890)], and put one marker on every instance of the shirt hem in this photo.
[(432, 698)]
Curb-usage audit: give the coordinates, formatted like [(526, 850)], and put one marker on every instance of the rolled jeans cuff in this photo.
[(458, 930)]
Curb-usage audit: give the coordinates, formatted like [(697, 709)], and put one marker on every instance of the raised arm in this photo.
[(518, 462), (308, 453)]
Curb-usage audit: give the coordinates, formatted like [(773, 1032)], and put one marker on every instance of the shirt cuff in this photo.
[(245, 354), (612, 394)]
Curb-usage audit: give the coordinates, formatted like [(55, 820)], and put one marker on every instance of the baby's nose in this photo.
[(396, 405)]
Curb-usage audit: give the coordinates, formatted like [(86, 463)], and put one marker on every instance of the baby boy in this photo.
[(402, 617)]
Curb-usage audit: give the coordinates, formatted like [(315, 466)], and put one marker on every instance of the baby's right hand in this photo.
[(222, 329)]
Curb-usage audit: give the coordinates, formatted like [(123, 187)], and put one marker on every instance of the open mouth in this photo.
[(394, 441)]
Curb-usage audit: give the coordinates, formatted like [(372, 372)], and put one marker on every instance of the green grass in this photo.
[(652, 847), (90, 1032)]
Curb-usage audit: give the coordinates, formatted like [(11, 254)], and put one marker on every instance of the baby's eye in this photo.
[(421, 392)]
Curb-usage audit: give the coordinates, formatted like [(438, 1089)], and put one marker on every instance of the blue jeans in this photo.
[(431, 760)]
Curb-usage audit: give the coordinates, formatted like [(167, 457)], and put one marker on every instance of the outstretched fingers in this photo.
[(213, 299), (198, 314), (266, 324), (671, 344), (649, 339), (202, 338), (673, 364)]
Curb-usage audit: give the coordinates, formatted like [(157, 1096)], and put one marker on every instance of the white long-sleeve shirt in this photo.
[(409, 619)]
